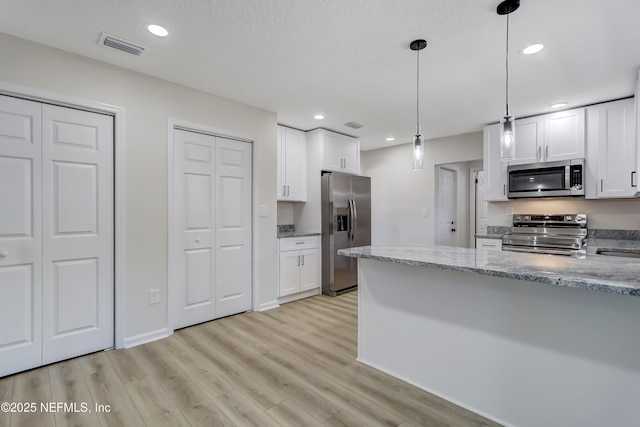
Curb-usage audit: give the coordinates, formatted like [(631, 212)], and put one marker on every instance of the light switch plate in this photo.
[(263, 210)]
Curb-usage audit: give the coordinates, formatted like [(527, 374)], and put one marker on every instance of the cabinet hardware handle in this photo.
[(633, 172), (504, 190), (539, 153), (601, 184), (546, 152), (284, 190), (288, 191), (298, 260), (302, 259), (299, 243)]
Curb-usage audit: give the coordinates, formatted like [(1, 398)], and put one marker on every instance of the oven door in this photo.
[(539, 180)]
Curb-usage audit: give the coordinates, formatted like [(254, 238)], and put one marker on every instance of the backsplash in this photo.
[(614, 234), (497, 229), (286, 228)]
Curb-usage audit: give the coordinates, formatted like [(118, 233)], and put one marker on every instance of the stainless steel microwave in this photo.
[(550, 179)]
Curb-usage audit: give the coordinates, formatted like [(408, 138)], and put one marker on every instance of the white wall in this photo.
[(616, 214), (399, 194), (148, 104)]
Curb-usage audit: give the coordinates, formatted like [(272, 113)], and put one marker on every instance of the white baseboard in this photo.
[(268, 305), (147, 337), (299, 295)]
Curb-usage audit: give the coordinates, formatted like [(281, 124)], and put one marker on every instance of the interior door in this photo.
[(20, 235), (233, 227), (446, 207), (77, 232), (194, 181)]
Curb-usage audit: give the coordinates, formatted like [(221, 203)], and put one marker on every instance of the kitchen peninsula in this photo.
[(523, 339)]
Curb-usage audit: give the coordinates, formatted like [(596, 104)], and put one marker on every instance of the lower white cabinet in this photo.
[(298, 265), (492, 244)]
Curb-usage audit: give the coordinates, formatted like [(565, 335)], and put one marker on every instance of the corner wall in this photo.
[(399, 194), (148, 104)]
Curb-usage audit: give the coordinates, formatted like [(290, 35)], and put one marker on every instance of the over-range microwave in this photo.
[(550, 179)]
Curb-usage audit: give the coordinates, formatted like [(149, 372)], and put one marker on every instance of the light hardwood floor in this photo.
[(290, 366)]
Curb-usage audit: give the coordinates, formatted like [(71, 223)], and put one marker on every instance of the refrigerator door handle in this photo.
[(355, 218), (351, 217)]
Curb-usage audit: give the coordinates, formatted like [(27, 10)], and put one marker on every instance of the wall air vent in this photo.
[(353, 125), (121, 44)]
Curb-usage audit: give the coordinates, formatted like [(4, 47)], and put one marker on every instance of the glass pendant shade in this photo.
[(418, 151), (507, 138)]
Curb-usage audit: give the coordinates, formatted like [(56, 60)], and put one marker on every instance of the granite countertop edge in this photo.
[(489, 236), (592, 273), (297, 234)]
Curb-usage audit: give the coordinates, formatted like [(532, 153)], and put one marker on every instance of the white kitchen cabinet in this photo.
[(564, 135), (551, 137), (495, 170), (491, 244), (611, 150), (338, 152), (292, 165), (529, 140), (637, 108), (298, 265)]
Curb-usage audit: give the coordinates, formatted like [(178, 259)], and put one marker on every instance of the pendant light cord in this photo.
[(418, 94), (506, 101)]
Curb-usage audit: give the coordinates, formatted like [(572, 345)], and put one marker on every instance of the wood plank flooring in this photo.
[(290, 366)]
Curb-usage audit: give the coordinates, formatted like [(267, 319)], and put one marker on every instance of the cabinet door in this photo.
[(495, 170), (564, 135), (617, 149), (350, 154), (309, 270), (282, 190), (295, 165), (331, 158), (529, 141), (289, 268)]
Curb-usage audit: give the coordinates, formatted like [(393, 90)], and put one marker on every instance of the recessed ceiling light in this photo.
[(534, 48), (390, 139), (318, 117), (558, 105), (157, 30)]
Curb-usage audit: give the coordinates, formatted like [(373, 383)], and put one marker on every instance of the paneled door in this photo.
[(446, 210), (212, 186), (233, 227), (77, 160), (56, 233), (20, 235)]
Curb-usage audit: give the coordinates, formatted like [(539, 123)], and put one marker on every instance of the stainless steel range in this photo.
[(564, 234)]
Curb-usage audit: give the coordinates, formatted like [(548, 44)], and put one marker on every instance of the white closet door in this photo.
[(233, 227), (194, 181), (78, 234), (20, 235)]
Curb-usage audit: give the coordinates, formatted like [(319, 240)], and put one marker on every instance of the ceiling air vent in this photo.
[(121, 44), (353, 125)]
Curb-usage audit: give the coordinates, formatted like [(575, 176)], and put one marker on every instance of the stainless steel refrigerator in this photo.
[(346, 222)]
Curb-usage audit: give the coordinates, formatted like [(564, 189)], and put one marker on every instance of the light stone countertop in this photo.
[(596, 272), (285, 234)]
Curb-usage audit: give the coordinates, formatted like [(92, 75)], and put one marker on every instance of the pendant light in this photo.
[(507, 124), (418, 142)]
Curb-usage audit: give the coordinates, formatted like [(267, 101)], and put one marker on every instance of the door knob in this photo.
[(197, 240), (3, 254), (453, 230)]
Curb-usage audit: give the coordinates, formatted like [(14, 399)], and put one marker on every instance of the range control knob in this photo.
[(568, 217), (527, 218), (517, 218), (579, 218)]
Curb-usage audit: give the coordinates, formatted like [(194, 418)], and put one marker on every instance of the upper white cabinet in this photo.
[(529, 140), (495, 170), (611, 150), (292, 164), (551, 137), (637, 108), (338, 152), (564, 135)]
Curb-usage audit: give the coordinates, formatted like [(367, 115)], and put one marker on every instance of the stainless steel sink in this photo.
[(628, 253)]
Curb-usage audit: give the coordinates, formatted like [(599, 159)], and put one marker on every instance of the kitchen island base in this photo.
[(517, 352)]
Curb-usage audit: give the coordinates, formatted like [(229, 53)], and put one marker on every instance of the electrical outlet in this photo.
[(425, 212), (154, 296), (509, 211)]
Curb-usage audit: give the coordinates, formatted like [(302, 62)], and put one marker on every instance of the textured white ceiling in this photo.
[(350, 59)]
